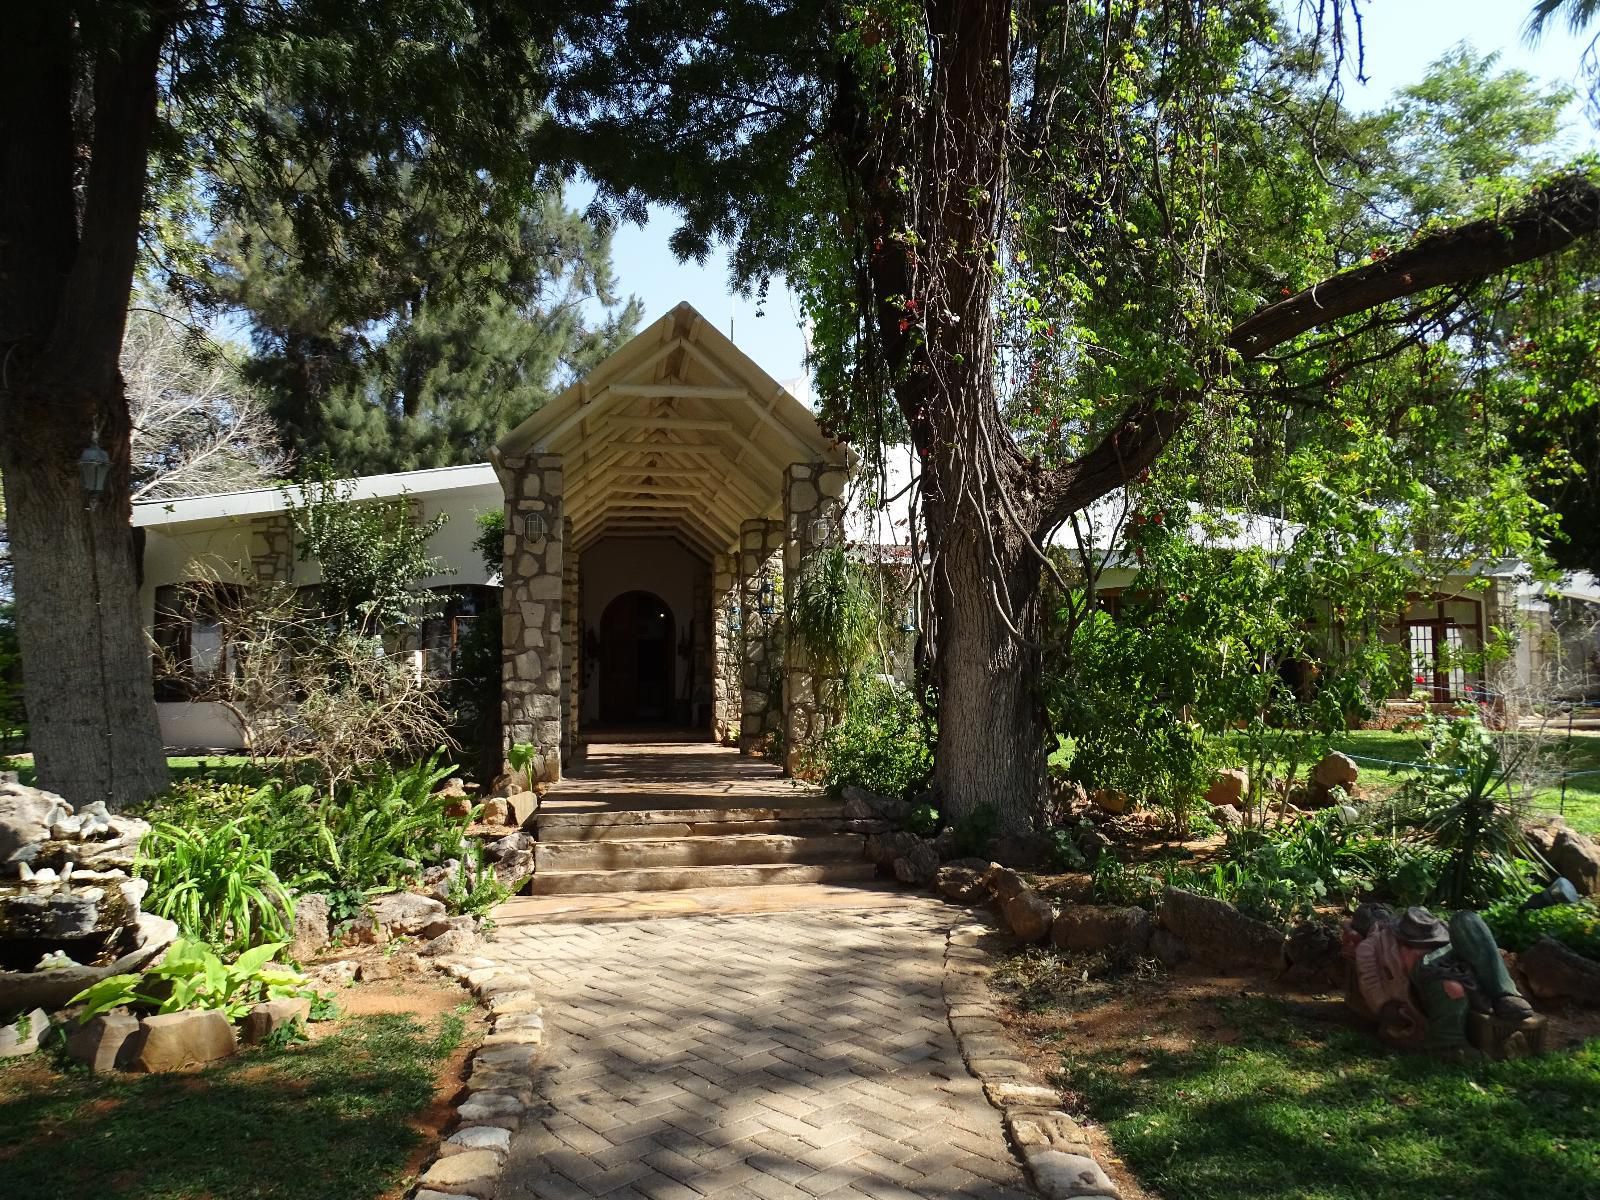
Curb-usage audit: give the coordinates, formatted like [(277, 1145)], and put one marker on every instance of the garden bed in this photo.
[(350, 1114), (1207, 1085)]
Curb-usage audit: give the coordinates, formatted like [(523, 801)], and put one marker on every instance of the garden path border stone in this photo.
[(498, 1093), (1050, 1143)]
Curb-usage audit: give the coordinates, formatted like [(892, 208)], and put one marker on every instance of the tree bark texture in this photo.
[(68, 242)]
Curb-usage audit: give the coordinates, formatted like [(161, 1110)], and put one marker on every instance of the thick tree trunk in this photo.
[(991, 727), (91, 718), (66, 273)]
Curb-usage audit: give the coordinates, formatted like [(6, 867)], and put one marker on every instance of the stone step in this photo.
[(561, 833), (672, 879), (740, 849), (570, 826)]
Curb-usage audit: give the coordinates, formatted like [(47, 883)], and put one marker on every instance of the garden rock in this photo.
[(478, 1137), (311, 914), (1577, 858), (884, 848), (1029, 915), (437, 881), (21, 1036), (1216, 932), (171, 1041), (1003, 883), (1110, 800), (1228, 788), (405, 912), (1167, 948), (1228, 818), (266, 1018), (443, 925), (1098, 927), (962, 880), (863, 805), (339, 974), (456, 941), (495, 812), (1061, 1175), (1554, 972), (374, 970), (473, 1172), (521, 808), (1336, 770), (918, 865), (26, 815), (106, 1043)]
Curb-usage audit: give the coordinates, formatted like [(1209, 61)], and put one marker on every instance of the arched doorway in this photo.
[(637, 650)]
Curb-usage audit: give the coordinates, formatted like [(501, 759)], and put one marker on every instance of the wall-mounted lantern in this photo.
[(767, 598), (94, 471), (534, 527), (908, 623)]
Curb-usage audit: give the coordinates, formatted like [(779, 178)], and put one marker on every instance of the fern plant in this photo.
[(833, 613)]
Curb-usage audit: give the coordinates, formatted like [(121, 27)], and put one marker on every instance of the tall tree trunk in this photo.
[(991, 725), (65, 282)]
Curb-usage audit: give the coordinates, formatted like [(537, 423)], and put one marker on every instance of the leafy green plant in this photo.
[(475, 889), (924, 820), (1575, 926), (1460, 800), (882, 743), (1117, 883), (193, 975), (833, 613), (973, 831), (217, 884), (520, 756)]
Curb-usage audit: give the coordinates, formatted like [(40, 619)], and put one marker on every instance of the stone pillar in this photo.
[(531, 701), (761, 635), (725, 665), (813, 507), (272, 549), (571, 623)]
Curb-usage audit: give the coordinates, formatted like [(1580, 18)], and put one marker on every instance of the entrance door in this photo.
[(636, 658)]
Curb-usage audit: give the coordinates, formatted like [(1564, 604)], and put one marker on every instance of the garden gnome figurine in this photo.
[(1421, 981)]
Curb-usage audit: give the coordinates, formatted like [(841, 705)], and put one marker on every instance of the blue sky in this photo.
[(1402, 38)]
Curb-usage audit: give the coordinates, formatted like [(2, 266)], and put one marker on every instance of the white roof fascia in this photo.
[(189, 510)]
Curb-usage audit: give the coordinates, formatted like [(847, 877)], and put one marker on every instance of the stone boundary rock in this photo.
[(1051, 1145), (499, 1087)]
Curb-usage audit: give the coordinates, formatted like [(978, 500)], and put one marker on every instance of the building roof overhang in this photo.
[(677, 433)]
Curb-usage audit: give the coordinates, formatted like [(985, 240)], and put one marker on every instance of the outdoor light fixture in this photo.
[(94, 470), (908, 623), (767, 598), (534, 527)]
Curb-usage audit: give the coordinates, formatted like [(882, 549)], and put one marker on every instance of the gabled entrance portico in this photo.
[(653, 511)]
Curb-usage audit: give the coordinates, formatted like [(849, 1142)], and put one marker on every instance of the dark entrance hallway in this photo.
[(637, 652)]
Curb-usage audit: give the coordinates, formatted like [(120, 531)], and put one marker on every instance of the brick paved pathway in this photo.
[(797, 1055)]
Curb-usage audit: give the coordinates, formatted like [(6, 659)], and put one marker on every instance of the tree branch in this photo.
[(1554, 217)]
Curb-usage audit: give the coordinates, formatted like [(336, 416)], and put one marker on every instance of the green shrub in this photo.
[(882, 742), (1125, 886), (1575, 926), (217, 884), (193, 975)]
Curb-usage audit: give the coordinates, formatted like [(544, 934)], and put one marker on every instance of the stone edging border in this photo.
[(498, 1091), (1050, 1143)]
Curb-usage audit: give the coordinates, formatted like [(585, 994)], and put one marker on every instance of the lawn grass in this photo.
[(1581, 804), (1301, 1110), (326, 1120), (231, 768)]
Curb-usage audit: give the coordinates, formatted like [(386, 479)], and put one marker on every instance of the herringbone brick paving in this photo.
[(784, 1057)]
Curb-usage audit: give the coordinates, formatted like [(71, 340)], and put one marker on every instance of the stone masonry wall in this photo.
[(813, 505), (534, 575), (725, 666), (571, 685), (760, 634), (272, 549)]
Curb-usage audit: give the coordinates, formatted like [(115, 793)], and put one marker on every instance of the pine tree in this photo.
[(393, 365)]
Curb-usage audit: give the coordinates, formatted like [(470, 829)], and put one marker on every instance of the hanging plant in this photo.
[(833, 613)]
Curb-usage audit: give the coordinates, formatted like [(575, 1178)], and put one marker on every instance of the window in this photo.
[(191, 637), (443, 635), (1436, 659)]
